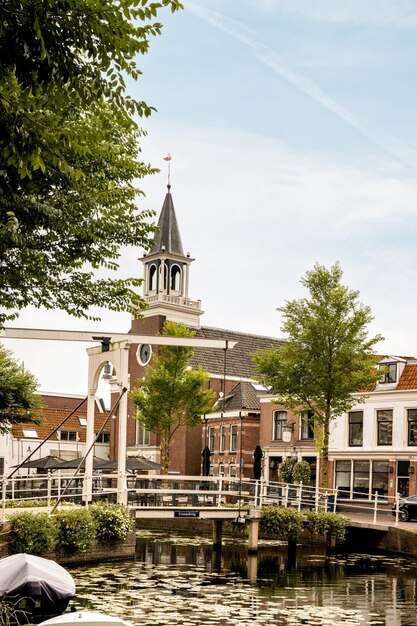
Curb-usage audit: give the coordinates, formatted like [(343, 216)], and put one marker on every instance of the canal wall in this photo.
[(389, 539), (96, 554)]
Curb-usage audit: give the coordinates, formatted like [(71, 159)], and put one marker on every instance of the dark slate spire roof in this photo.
[(169, 234)]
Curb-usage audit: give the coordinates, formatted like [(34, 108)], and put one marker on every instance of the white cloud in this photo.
[(269, 58), (402, 13)]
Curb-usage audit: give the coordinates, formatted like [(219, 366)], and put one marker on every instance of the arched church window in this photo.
[(166, 270), (152, 278), (175, 278)]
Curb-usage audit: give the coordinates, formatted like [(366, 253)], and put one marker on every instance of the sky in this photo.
[(292, 130)]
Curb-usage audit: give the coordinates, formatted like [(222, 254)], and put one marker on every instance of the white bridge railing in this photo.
[(179, 492)]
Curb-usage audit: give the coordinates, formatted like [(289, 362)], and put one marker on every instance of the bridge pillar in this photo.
[(253, 535), (217, 534)]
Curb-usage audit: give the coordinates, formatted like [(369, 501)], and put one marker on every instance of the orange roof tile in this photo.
[(408, 378)]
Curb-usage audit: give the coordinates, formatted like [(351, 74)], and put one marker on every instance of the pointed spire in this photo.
[(168, 239)]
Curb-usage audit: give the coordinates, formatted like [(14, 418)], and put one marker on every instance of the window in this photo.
[(390, 376), (232, 471), (68, 435), (211, 439), (412, 427), (103, 438), (175, 278), (307, 422), (233, 438), (1, 466), (221, 470), (384, 426), (82, 420), (152, 278), (343, 469), (361, 479), (355, 428), (280, 423), (380, 473), (222, 438), (30, 433), (142, 435)]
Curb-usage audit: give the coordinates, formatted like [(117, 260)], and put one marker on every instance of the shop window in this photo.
[(412, 427), (380, 475), (384, 427), (279, 425), (355, 428), (361, 479), (343, 474)]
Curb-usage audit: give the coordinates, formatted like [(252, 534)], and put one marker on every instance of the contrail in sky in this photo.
[(268, 57)]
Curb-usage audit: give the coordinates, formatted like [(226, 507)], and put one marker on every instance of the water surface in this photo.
[(181, 581)]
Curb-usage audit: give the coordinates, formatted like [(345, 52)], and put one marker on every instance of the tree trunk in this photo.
[(324, 455), (165, 456)]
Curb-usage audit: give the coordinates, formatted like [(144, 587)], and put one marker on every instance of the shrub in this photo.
[(301, 472), (33, 533), (293, 471), (329, 525), (76, 530), (113, 522), (279, 523), (286, 470)]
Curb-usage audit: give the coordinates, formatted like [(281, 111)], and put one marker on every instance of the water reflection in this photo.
[(182, 581)]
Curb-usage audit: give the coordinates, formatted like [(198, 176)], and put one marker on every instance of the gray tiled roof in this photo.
[(169, 234), (238, 359), (242, 396)]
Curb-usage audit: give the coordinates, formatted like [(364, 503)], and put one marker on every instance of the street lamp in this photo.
[(287, 434)]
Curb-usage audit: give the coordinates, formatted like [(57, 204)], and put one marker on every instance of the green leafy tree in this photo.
[(327, 357), (171, 395), (69, 150), (18, 400)]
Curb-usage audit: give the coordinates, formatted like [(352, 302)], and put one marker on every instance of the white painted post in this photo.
[(287, 488), (326, 497), (13, 483), (59, 484), (300, 492), (122, 372), (219, 497), (261, 494), (317, 500), (336, 493), (256, 493), (375, 506), (48, 492)]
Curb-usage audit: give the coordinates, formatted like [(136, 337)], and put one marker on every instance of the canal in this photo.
[(180, 581)]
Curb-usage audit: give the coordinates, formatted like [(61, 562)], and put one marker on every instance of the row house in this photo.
[(67, 443), (374, 445)]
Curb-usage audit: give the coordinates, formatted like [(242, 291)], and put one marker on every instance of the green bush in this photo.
[(327, 524), (279, 523), (302, 472), (33, 533), (113, 522), (76, 530)]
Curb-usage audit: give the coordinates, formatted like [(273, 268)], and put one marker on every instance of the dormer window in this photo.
[(390, 375)]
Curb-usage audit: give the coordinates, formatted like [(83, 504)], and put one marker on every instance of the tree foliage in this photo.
[(327, 357), (171, 395), (69, 150), (18, 400)]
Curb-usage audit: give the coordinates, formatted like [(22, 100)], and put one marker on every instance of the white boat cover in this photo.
[(35, 576), (88, 618)]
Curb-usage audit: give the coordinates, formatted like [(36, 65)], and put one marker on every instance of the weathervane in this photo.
[(168, 159)]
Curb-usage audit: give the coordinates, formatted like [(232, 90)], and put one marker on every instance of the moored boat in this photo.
[(87, 618), (36, 586)]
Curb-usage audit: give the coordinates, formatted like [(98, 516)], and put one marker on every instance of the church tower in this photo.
[(166, 273)]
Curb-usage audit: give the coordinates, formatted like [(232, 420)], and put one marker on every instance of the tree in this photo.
[(171, 395), (69, 151), (18, 401), (327, 357)]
